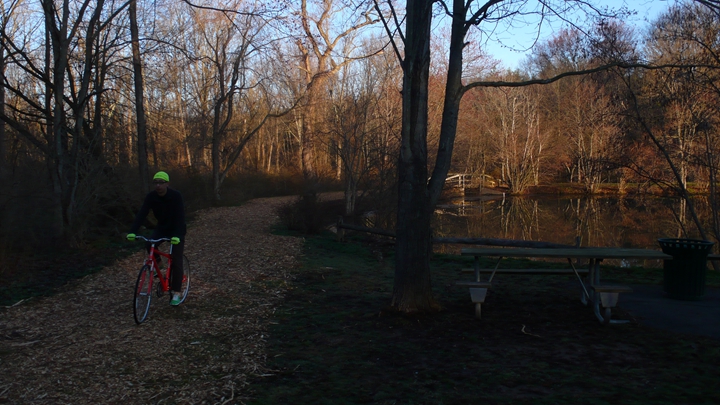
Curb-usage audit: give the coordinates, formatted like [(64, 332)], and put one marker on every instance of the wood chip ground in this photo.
[(82, 345)]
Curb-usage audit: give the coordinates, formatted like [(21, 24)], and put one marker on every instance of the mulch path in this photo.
[(82, 346)]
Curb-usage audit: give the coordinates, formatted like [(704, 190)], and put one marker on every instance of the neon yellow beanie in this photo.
[(161, 176)]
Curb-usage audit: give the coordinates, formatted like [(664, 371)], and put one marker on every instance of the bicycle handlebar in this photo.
[(144, 239)]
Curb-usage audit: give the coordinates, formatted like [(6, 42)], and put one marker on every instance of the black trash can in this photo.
[(684, 275)]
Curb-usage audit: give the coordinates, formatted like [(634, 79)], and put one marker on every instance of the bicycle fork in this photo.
[(141, 284), (163, 283)]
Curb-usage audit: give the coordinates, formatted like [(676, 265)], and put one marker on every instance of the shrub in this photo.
[(307, 214)]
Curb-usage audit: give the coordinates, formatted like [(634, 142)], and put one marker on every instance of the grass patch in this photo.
[(334, 340)]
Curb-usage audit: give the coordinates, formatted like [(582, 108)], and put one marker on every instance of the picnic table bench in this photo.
[(604, 297)]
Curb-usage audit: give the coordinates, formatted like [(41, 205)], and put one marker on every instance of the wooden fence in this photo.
[(341, 226)]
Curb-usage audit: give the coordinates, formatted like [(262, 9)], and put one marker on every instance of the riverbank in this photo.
[(573, 189), (613, 189)]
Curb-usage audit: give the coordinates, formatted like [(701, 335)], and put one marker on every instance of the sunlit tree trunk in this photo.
[(307, 147)]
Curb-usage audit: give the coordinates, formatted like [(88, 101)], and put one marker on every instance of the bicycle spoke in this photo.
[(143, 294), (186, 279)]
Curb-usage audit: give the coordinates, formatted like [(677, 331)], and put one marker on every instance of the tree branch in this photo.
[(389, 31), (622, 65)]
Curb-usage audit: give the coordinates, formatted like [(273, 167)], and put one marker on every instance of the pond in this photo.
[(630, 222)]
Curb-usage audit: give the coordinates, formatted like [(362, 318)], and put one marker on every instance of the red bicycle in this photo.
[(149, 272)]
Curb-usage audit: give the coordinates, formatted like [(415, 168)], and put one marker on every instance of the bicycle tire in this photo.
[(143, 294), (186, 280)]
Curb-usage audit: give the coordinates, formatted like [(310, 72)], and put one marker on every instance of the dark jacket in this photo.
[(169, 210)]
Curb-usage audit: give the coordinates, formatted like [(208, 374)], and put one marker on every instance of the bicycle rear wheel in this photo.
[(143, 294), (186, 280)]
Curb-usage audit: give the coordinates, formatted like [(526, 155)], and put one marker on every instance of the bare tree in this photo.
[(513, 126), (589, 123), (230, 53), (139, 97), (324, 50), (6, 27), (357, 131), (56, 121), (417, 195), (684, 128)]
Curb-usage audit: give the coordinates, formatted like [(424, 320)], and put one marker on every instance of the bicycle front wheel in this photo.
[(143, 294), (186, 279)]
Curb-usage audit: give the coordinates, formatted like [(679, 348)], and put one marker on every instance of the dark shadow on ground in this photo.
[(650, 306)]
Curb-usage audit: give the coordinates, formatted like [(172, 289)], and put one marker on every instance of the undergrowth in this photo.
[(32, 273)]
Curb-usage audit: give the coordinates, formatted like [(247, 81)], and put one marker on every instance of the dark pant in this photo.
[(176, 269)]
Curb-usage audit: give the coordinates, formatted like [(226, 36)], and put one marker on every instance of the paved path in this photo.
[(649, 305)]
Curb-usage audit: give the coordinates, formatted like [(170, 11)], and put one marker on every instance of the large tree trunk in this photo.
[(412, 285), (351, 190), (451, 106), (412, 288), (308, 145), (310, 131), (139, 99), (417, 197), (215, 153), (56, 57), (3, 151)]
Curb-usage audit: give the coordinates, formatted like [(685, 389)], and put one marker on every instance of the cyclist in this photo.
[(169, 210)]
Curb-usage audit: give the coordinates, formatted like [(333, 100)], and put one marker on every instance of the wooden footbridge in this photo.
[(458, 180), (469, 180)]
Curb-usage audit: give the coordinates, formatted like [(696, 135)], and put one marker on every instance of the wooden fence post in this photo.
[(340, 229)]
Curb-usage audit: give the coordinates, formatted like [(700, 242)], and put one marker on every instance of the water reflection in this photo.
[(595, 221)]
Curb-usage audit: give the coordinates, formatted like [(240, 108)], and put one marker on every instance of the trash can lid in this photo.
[(671, 245)]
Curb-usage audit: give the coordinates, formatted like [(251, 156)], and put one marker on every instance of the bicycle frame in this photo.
[(164, 279), (150, 261)]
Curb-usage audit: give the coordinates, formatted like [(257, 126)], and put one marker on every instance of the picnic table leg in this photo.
[(587, 297), (603, 318), (603, 310), (596, 272), (604, 314), (492, 275), (594, 279), (585, 294), (606, 298)]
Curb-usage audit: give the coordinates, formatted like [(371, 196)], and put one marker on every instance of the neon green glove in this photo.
[(131, 236), (175, 240)]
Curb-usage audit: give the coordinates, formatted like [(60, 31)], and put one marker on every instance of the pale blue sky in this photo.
[(519, 38)]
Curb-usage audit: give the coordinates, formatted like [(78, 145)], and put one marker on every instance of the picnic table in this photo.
[(603, 297)]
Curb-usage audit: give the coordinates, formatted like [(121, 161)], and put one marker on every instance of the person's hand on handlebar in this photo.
[(131, 236), (175, 240)]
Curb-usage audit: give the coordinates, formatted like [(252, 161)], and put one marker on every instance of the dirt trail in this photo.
[(82, 346)]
